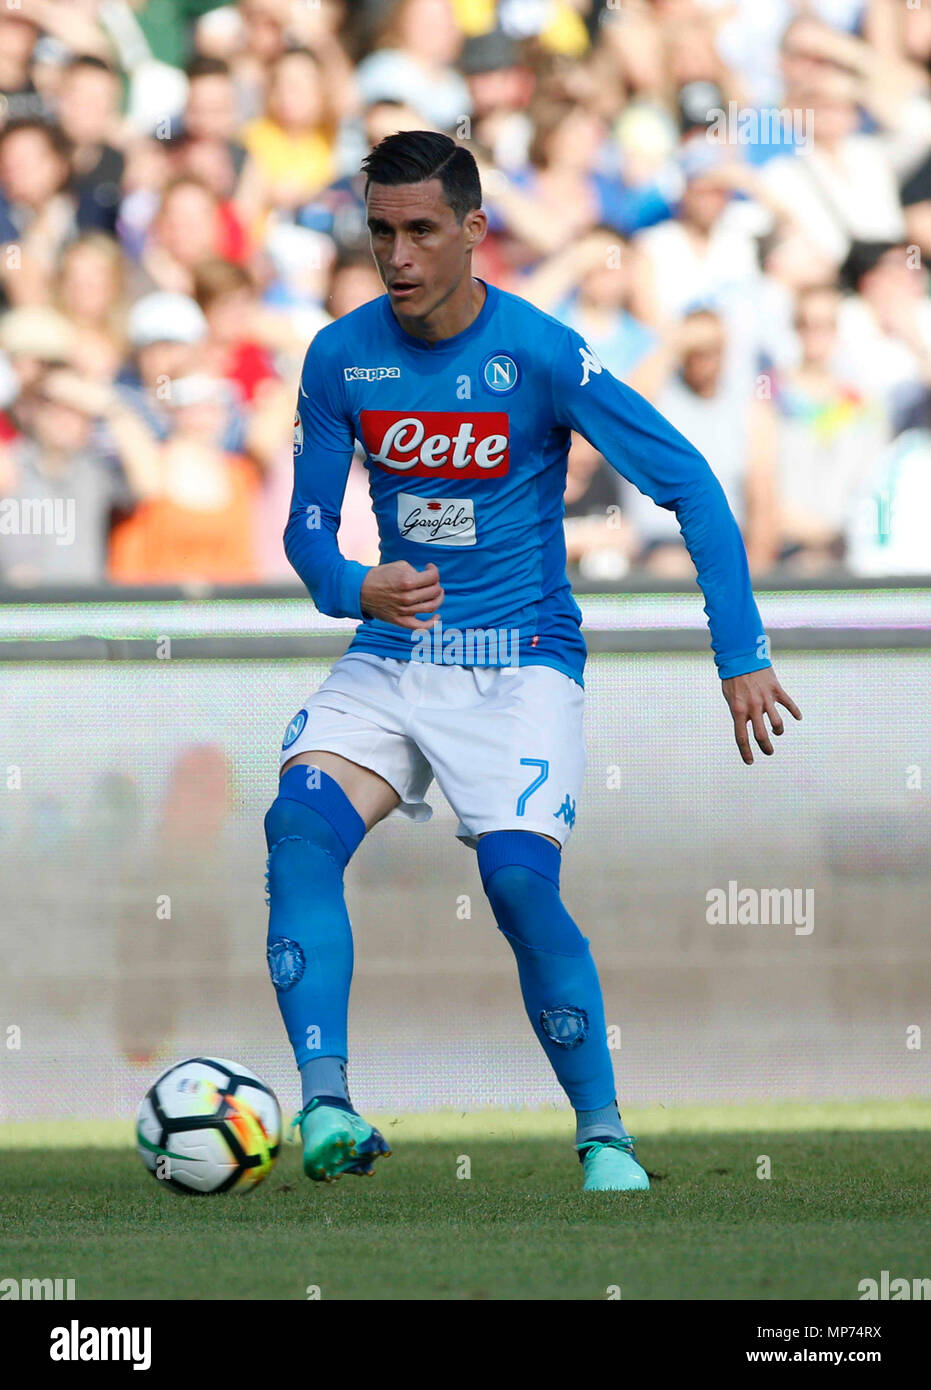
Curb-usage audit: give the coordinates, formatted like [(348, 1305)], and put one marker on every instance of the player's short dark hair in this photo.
[(416, 156)]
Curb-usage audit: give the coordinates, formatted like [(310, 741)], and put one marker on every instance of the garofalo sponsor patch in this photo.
[(436, 520)]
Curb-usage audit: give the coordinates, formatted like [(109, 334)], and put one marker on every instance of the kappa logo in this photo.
[(590, 363), (567, 811), (438, 443), (370, 373)]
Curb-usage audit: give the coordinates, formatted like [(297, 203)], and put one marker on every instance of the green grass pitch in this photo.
[(846, 1198)]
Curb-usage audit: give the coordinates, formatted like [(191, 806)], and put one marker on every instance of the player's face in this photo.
[(421, 251)]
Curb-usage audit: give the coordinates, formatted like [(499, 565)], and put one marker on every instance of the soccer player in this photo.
[(467, 665)]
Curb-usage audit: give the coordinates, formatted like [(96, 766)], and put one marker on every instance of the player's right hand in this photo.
[(396, 593)]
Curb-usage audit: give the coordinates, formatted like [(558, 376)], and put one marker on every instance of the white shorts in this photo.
[(504, 743)]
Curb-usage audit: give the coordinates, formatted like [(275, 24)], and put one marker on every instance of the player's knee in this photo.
[(289, 823), (520, 875), (302, 859), (311, 830), (530, 912), (283, 820), (312, 807), (515, 890)]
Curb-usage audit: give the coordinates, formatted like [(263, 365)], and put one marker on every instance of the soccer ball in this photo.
[(208, 1125)]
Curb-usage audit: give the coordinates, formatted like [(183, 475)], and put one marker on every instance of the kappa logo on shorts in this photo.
[(566, 811), (438, 443), (294, 730)]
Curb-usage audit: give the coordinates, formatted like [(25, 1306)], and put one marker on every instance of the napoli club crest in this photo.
[(500, 373), (294, 730)]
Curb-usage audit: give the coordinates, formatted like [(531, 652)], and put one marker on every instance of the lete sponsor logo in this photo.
[(436, 520), (438, 443)]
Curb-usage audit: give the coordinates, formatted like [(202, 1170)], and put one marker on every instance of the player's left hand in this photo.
[(751, 697)]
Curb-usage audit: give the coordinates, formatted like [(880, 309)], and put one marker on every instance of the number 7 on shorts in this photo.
[(544, 766)]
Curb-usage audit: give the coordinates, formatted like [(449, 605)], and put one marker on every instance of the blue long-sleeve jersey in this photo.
[(466, 442)]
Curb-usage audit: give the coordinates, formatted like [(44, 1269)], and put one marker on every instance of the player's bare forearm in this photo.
[(753, 698)]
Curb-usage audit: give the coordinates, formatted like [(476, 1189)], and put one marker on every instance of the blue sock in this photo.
[(603, 1123), (324, 1078), (312, 830), (558, 979)]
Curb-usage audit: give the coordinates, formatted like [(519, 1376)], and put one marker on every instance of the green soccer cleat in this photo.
[(611, 1165), (337, 1141)]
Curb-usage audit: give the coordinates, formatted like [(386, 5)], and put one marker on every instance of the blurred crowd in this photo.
[(729, 199)]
